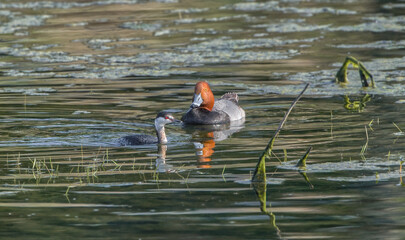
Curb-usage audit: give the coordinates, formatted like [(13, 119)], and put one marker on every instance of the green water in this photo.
[(77, 76)]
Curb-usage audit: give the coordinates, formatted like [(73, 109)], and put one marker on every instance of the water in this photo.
[(76, 76)]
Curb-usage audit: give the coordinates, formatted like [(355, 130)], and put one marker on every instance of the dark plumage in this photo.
[(161, 120), (138, 139), (201, 116)]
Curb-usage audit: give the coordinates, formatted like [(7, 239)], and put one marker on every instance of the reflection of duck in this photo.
[(204, 151), (206, 111), (208, 135), (217, 132), (140, 139)]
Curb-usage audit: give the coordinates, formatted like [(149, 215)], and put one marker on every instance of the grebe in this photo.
[(161, 120)]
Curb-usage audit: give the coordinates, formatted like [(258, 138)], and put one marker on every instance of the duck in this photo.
[(161, 120), (204, 110)]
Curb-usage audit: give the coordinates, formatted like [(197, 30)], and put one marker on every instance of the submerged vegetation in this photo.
[(81, 171)]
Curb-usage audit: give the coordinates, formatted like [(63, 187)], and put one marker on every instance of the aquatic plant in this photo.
[(259, 181), (341, 75), (302, 163), (259, 174)]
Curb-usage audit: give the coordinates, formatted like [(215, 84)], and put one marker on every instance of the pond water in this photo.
[(78, 75)]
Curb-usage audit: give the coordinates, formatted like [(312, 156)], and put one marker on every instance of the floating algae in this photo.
[(198, 31), (293, 27), (393, 5), (344, 166), (109, 43), (363, 171), (386, 71), (239, 44), (18, 23), (44, 46), (6, 64), (214, 19), (43, 56), (274, 6), (190, 59), (139, 25), (375, 24), (385, 44), (368, 178), (43, 91), (67, 5), (189, 10), (77, 24), (119, 72), (216, 51)]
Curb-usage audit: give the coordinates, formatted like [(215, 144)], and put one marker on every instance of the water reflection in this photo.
[(204, 151), (208, 135), (161, 165), (356, 105), (75, 74), (260, 189)]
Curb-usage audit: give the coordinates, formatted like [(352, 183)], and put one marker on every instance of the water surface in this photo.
[(78, 75)]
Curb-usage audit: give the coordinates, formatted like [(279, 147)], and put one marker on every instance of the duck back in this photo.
[(230, 108)]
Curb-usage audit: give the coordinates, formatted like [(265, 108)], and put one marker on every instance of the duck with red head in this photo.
[(204, 110)]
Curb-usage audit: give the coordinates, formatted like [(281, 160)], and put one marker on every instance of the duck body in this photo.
[(204, 110), (161, 120), (197, 116)]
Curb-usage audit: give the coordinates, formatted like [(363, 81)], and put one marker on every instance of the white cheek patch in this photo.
[(160, 122)]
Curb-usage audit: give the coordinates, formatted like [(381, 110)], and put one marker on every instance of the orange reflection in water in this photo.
[(205, 150)]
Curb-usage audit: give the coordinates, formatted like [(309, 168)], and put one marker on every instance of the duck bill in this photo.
[(176, 121), (197, 101)]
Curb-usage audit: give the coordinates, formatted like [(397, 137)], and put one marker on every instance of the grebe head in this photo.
[(162, 119), (203, 96)]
